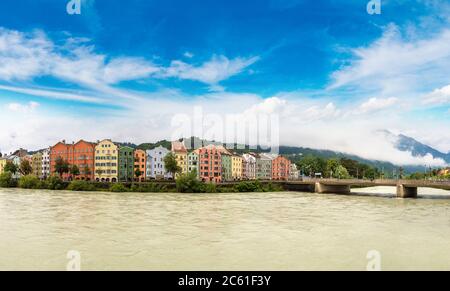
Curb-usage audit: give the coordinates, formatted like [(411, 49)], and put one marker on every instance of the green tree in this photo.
[(332, 168), (74, 170), (10, 167), (61, 166), (341, 173), (309, 165), (138, 173), (25, 168), (188, 183), (171, 164), (6, 180)]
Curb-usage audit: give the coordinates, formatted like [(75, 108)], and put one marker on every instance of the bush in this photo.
[(55, 183), (148, 188), (254, 186), (188, 183), (80, 186), (29, 182), (209, 188), (6, 180), (118, 188)]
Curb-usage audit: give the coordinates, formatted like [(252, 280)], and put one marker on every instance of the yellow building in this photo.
[(236, 167), (106, 161), (181, 155), (2, 165), (36, 164)]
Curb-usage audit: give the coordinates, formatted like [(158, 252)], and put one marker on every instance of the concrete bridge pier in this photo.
[(406, 191), (332, 189)]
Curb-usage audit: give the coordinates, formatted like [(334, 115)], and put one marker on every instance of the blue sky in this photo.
[(325, 65)]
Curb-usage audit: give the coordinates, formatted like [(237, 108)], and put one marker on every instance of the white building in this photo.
[(155, 163), (294, 173), (249, 166), (46, 163), (16, 161)]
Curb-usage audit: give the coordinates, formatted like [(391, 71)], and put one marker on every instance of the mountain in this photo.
[(417, 149)]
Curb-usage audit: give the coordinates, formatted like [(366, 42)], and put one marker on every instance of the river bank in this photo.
[(181, 185)]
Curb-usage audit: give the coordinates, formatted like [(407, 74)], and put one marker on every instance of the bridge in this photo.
[(405, 188)]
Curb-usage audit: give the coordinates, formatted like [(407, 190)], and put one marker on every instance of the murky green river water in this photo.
[(255, 231)]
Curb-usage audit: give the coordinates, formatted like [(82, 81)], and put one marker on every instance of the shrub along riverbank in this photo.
[(184, 184)]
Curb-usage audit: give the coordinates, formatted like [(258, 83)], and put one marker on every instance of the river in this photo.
[(239, 231)]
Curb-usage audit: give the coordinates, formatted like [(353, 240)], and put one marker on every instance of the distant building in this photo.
[(36, 164), (16, 161), (2, 164), (226, 167), (126, 164), (294, 173), (193, 162), (45, 167), (236, 167), (156, 168), (281, 168), (181, 155), (210, 158), (106, 161), (249, 167), (140, 165), (81, 154), (264, 166)]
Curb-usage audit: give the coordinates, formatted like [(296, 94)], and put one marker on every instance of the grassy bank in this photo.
[(184, 184)]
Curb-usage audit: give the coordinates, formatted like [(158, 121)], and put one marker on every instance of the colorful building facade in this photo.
[(248, 167), (45, 164), (140, 165), (126, 164), (156, 168), (281, 168), (106, 161), (81, 154), (264, 167), (181, 155), (193, 162), (36, 164), (226, 167), (210, 159), (236, 167), (2, 164)]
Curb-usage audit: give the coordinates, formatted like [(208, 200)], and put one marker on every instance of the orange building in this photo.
[(281, 168), (210, 163), (80, 154), (140, 163)]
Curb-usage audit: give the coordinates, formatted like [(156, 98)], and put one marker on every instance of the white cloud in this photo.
[(25, 56), (395, 64), (188, 55), (23, 108), (376, 104), (212, 72), (438, 96)]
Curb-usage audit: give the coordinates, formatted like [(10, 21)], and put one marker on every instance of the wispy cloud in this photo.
[(396, 64), (438, 97), (212, 72), (25, 56)]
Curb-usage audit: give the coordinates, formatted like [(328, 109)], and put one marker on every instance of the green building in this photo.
[(126, 164), (226, 168), (193, 163)]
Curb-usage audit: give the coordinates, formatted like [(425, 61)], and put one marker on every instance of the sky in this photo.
[(332, 74)]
